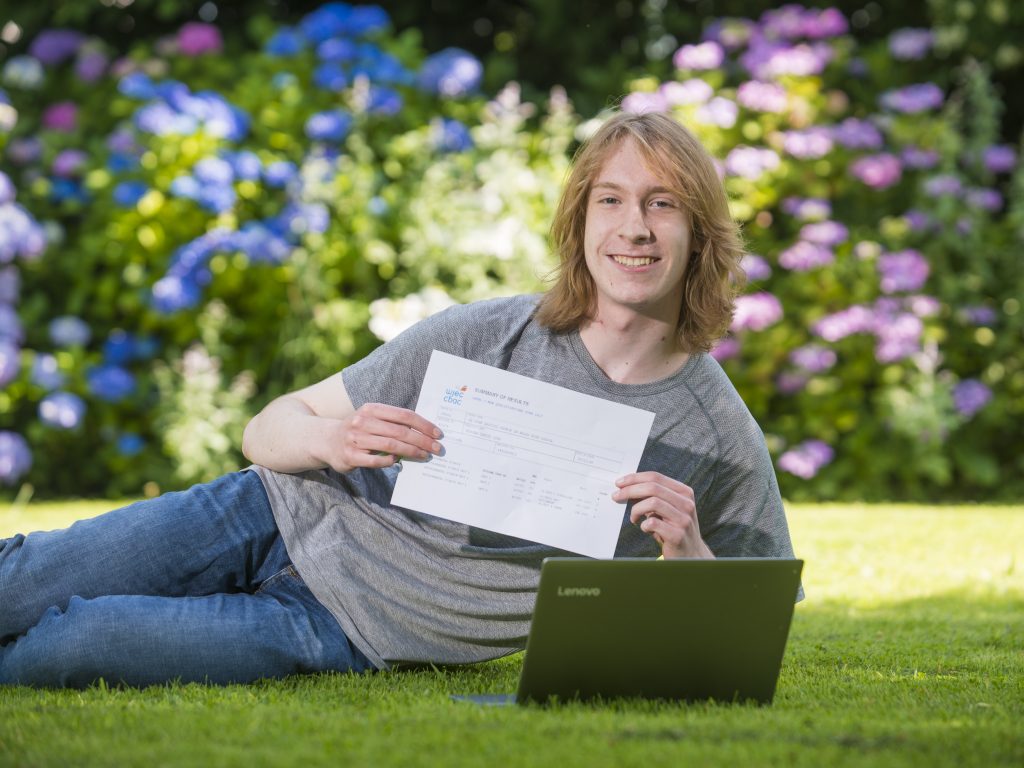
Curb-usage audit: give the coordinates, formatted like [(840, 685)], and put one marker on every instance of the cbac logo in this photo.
[(454, 396)]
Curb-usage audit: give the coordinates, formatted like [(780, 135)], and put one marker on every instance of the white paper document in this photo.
[(523, 457)]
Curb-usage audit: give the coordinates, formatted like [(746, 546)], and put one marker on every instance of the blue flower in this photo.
[(69, 331), (119, 163), (382, 67), (137, 85), (329, 20), (130, 444), (128, 193), (10, 325), (297, 219), (161, 119), (173, 293), (330, 77), (364, 19), (383, 101), (246, 165), (280, 173), (110, 383), (46, 373), (450, 136), (15, 457), (10, 285), (186, 186), (337, 49), (285, 42), (329, 126), (213, 170), (7, 191), (10, 362), (119, 348), (63, 410), (217, 199), (452, 72)]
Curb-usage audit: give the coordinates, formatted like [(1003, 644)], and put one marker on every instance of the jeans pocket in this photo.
[(288, 572)]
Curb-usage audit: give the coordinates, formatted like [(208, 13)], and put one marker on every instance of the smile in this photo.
[(634, 261)]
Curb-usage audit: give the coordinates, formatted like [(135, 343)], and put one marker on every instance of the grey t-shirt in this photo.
[(410, 587)]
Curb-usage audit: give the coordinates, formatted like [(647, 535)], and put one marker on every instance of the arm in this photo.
[(318, 427), (665, 509)]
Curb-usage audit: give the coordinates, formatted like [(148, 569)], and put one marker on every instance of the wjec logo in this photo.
[(454, 396)]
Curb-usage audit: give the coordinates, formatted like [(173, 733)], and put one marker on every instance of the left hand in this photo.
[(665, 509)]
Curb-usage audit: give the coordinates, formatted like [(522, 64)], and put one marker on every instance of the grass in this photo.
[(909, 651)]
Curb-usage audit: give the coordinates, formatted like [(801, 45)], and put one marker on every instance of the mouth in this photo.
[(633, 261)]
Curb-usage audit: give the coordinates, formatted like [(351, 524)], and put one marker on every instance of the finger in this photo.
[(403, 434), (404, 417), (657, 508), (653, 490), (371, 444), (370, 461), (653, 477)]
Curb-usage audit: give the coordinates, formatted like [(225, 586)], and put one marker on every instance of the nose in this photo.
[(634, 225)]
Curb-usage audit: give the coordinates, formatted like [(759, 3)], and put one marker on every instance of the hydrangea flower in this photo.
[(280, 173), (911, 44), (54, 46), (15, 457), (756, 311), (806, 459), (762, 97), (970, 396), (20, 234), (878, 171), (803, 256), (726, 348), (755, 267), (91, 65), (25, 151), (999, 158), (984, 199), (286, 41), (846, 322), (706, 55), (332, 125), (128, 193), (897, 337), (692, 91), (196, 38), (451, 73), (10, 325), (10, 285), (813, 358), (46, 372), (903, 271), (24, 72), (943, 184), (642, 102), (751, 162), (979, 315), (857, 134), (913, 98), (130, 444), (790, 382), (807, 208), (809, 144), (10, 361), (62, 116), (69, 331), (919, 159), (381, 100), (69, 162), (449, 135), (719, 111), (62, 410), (331, 77), (827, 233), (110, 383)]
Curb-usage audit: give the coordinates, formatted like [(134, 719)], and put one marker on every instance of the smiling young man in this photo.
[(304, 565)]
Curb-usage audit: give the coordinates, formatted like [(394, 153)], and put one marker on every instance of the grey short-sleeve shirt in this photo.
[(410, 587)]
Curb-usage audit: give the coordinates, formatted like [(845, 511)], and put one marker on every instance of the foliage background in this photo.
[(341, 227)]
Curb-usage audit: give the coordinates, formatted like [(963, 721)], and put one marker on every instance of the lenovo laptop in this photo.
[(657, 629)]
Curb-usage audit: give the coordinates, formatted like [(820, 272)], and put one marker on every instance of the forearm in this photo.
[(287, 436)]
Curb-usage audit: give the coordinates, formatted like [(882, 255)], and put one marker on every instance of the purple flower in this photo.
[(807, 208), (91, 65), (642, 102), (10, 362), (979, 315), (725, 349), (803, 256), (10, 285), (970, 396), (196, 38), (919, 159), (53, 46), (828, 22), (762, 97), (846, 322), (332, 126), (943, 184), (25, 151), (828, 233), (692, 91), (877, 171), (919, 221), (731, 33), (913, 98), (110, 383), (46, 372), (7, 191), (924, 306), (15, 457), (809, 144), (771, 61), (806, 459), (789, 383), (750, 162), (756, 311), (62, 410), (719, 111), (903, 271), (69, 331), (857, 134), (755, 267), (62, 116), (278, 174), (984, 199), (451, 73), (813, 358), (999, 158), (897, 337), (450, 135), (910, 44), (786, 23), (10, 325), (68, 162), (707, 55)]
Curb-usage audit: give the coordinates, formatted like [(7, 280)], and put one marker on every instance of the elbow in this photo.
[(248, 439)]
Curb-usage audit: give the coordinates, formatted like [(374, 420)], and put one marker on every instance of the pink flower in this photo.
[(62, 116), (878, 171), (196, 38)]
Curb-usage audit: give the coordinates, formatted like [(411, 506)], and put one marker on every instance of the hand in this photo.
[(377, 435), (665, 509)]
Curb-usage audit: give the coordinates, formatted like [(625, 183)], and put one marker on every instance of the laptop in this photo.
[(684, 630)]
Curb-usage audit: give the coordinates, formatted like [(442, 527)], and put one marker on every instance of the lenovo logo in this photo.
[(579, 591)]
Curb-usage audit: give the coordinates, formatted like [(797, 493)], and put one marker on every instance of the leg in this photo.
[(143, 640), (213, 538)]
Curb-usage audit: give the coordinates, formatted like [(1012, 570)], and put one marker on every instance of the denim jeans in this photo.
[(193, 586)]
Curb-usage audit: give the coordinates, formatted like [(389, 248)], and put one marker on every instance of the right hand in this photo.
[(377, 435)]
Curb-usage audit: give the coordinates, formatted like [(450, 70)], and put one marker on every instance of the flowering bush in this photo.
[(192, 228), (880, 341)]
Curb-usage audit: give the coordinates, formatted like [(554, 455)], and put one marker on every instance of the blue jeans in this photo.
[(193, 586)]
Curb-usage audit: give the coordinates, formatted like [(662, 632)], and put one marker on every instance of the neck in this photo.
[(632, 348)]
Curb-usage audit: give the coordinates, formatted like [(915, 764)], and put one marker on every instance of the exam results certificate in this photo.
[(523, 457)]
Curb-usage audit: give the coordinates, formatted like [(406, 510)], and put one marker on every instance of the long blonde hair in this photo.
[(713, 275)]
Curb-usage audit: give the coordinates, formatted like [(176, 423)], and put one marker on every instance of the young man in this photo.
[(303, 564)]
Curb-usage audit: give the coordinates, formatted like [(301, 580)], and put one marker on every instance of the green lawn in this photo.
[(909, 650)]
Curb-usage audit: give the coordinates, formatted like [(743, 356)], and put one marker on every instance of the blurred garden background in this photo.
[(206, 204)]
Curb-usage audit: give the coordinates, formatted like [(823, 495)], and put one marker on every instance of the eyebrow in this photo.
[(620, 188)]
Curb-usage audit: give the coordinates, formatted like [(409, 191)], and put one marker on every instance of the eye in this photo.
[(662, 202), (607, 200)]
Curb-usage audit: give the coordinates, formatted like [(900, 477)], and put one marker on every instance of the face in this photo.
[(637, 239)]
